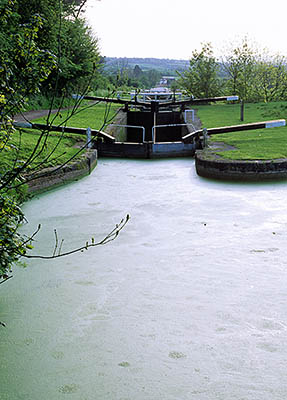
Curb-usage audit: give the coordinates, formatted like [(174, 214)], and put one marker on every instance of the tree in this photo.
[(25, 64), (271, 78), (254, 74), (78, 59), (239, 65), (201, 79), (76, 6), (64, 34)]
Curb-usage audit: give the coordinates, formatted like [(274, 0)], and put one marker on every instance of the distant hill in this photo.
[(163, 65)]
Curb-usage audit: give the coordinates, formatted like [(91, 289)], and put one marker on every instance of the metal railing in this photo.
[(153, 128), (192, 115)]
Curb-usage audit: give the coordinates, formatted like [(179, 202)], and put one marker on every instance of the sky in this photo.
[(174, 28)]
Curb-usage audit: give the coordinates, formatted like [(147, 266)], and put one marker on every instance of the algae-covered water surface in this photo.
[(189, 302)]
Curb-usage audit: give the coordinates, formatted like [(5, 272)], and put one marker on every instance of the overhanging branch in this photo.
[(112, 235)]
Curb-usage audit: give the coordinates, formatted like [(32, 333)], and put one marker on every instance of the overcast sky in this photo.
[(174, 28)]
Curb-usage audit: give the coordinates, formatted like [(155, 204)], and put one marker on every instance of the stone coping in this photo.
[(52, 177), (211, 165)]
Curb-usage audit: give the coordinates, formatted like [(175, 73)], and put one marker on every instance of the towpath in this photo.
[(30, 115)]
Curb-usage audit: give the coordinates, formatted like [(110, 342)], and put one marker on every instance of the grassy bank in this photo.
[(262, 144), (54, 148), (93, 116), (51, 150)]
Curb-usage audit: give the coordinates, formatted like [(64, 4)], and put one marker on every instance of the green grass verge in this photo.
[(262, 144), (50, 151), (55, 148), (87, 116)]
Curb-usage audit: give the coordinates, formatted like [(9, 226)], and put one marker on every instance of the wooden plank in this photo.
[(191, 100), (115, 100), (199, 101), (246, 127), (72, 130), (235, 128), (67, 129)]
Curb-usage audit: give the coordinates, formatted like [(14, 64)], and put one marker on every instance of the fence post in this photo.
[(242, 111)]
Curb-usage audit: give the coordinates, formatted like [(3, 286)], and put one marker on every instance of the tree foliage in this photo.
[(12, 244), (123, 76), (201, 79), (271, 78), (78, 57), (244, 70), (23, 64), (44, 44), (239, 64)]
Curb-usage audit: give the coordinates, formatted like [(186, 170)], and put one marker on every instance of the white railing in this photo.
[(189, 112)]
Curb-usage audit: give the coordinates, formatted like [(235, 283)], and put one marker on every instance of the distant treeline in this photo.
[(163, 65), (142, 73)]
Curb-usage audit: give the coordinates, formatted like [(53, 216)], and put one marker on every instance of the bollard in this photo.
[(89, 137), (205, 138)]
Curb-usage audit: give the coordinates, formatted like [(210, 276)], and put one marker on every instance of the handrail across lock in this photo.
[(153, 128)]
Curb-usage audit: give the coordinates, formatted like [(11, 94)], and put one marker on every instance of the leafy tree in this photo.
[(151, 78), (12, 244), (76, 7), (24, 66), (137, 72), (253, 74), (239, 65), (62, 33), (271, 78), (201, 78), (47, 36), (78, 57)]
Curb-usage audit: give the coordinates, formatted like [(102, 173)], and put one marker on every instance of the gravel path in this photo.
[(30, 115)]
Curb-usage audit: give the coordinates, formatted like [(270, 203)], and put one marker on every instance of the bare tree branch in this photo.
[(6, 278), (112, 235)]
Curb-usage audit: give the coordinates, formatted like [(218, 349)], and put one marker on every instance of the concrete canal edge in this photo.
[(209, 164), (52, 177)]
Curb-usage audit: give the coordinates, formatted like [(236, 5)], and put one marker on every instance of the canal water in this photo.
[(189, 302)]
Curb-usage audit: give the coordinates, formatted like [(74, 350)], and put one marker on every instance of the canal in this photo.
[(189, 302)]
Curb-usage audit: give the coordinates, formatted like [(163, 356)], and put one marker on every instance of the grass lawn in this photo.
[(258, 144), (51, 151), (54, 149), (92, 116)]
